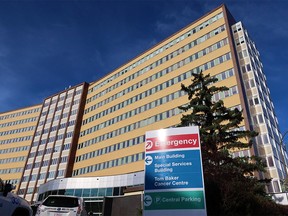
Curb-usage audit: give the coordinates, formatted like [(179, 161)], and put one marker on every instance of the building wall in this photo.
[(16, 131), (54, 144), (95, 189), (144, 95), (262, 116)]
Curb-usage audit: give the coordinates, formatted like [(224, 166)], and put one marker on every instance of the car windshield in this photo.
[(69, 202)]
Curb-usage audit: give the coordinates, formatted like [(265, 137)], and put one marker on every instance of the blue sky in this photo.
[(46, 46)]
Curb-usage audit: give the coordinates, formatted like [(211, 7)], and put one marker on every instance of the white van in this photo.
[(61, 205), (11, 204)]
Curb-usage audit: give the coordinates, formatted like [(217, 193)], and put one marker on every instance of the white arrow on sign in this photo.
[(148, 160), (147, 200)]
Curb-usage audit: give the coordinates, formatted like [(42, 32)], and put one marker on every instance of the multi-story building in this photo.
[(268, 144), (105, 156), (17, 128), (54, 143)]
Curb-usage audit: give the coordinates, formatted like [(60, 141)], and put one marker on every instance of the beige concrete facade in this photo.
[(17, 128), (127, 112)]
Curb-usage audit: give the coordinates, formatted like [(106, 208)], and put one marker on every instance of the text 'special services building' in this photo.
[(89, 139)]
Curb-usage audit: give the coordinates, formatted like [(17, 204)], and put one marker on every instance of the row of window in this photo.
[(20, 113), (160, 50), (45, 163), (258, 119), (240, 40), (246, 68), (164, 115), (237, 27), (12, 160), (22, 121), (62, 97), (50, 150), (136, 125), (16, 149), (11, 170), (51, 174), (58, 117), (110, 164), (224, 75), (261, 82), (262, 139), (221, 95), (148, 106), (253, 59), (253, 54), (255, 62), (133, 112), (149, 92), (165, 59), (56, 127), (14, 140), (60, 107), (163, 72), (30, 190), (242, 153), (263, 92), (53, 139), (250, 83), (85, 192), (19, 130), (159, 62), (13, 181), (243, 54), (108, 149), (251, 44), (54, 174), (36, 165), (163, 100), (128, 128), (254, 101), (21, 191), (261, 97)]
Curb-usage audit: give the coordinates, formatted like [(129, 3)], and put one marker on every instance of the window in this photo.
[(270, 161), (248, 66), (256, 101), (265, 138), (276, 186)]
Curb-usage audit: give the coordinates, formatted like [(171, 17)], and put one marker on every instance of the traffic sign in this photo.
[(181, 169), (172, 142), (173, 173), (175, 200)]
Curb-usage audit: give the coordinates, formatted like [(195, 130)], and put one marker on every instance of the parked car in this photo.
[(34, 207), (11, 204), (61, 205)]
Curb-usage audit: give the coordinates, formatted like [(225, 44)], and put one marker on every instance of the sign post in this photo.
[(173, 173)]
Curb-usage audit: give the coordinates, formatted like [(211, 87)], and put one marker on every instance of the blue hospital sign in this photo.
[(173, 173)]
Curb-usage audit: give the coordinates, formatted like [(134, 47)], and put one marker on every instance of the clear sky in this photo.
[(46, 46)]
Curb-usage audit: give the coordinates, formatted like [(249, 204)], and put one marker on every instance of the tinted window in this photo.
[(61, 202)]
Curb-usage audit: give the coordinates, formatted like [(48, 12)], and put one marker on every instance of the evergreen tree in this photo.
[(231, 188)]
